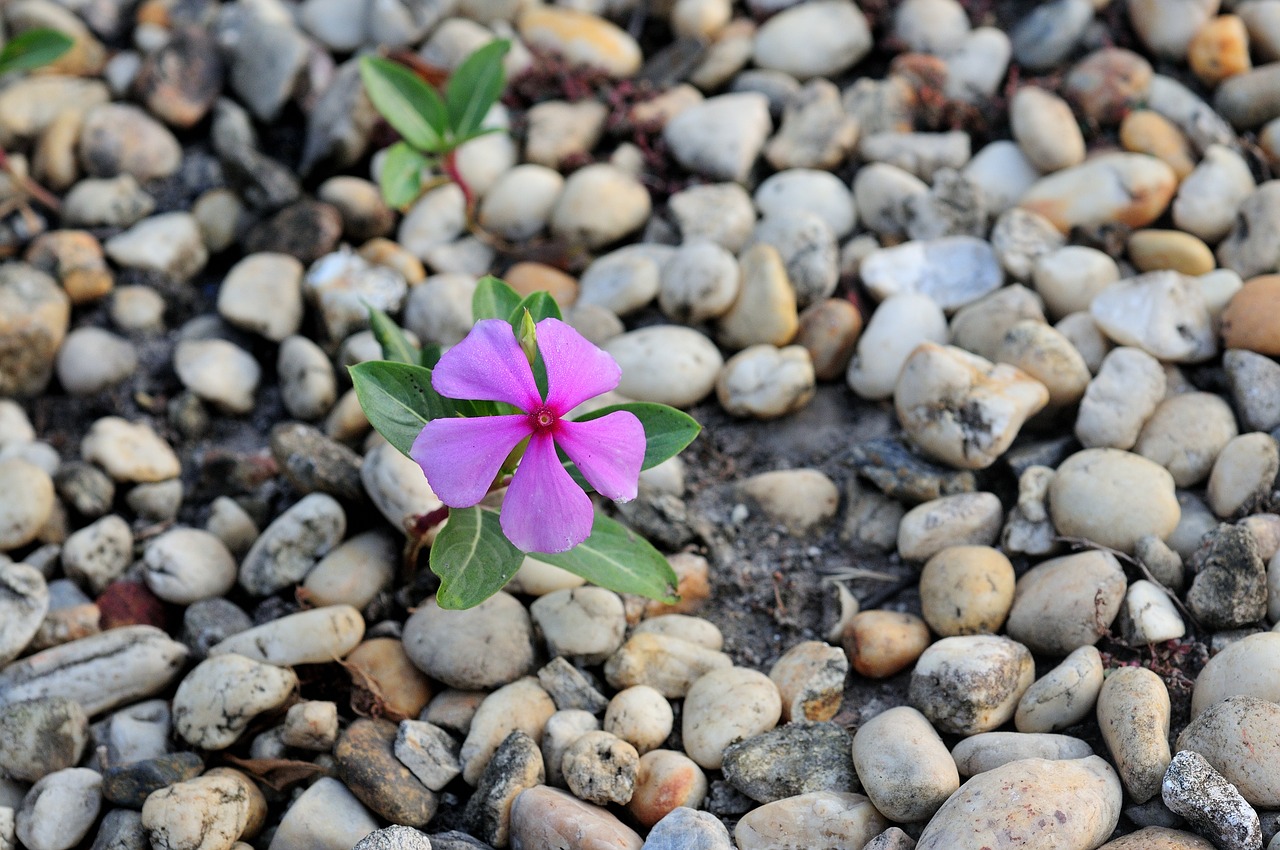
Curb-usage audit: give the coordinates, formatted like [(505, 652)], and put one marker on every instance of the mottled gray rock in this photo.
[(1213, 806), (1230, 585), (793, 759)]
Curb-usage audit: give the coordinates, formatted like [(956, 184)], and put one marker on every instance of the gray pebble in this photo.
[(688, 829), (1193, 789), (40, 736), (60, 809), (292, 544), (516, 765), (1230, 585), (793, 759), (396, 838)]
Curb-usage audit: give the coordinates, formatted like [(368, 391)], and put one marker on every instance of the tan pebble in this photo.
[(1133, 712), (666, 780), (257, 802), (1108, 83), (75, 258), (454, 709), (1240, 737), (765, 310), (1064, 696), (582, 38), (382, 673), (546, 817), (693, 587), (1159, 838), (966, 590), (527, 278), (816, 819), (1220, 49), (956, 520), (1129, 188), (384, 252), (1144, 131), (1155, 250), (881, 643), (670, 665), (1249, 322), (829, 330), (726, 706), (810, 677), (1047, 355)]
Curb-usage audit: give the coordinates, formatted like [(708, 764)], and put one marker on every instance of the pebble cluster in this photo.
[(1057, 224)]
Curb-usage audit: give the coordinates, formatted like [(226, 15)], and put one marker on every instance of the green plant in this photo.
[(432, 125), (472, 553)]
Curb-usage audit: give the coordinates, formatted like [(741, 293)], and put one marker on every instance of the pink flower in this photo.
[(544, 510)]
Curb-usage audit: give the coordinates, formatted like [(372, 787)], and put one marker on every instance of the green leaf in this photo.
[(617, 558), (667, 431), (33, 49), (398, 400), (395, 345), (493, 299), (411, 106), (474, 87), (540, 306), (429, 356), (472, 557), (401, 176)]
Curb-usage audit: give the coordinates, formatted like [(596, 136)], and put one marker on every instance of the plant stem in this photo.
[(29, 186), (450, 166)]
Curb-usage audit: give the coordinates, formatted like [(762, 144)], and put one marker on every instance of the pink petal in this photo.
[(545, 511), (608, 451), (576, 369), (488, 365), (461, 457)]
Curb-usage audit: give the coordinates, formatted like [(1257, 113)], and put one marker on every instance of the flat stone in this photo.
[(1213, 806), (217, 700), (797, 758), (809, 820), (971, 684), (368, 766), (543, 817)]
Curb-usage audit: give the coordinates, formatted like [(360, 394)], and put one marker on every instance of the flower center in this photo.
[(543, 419)]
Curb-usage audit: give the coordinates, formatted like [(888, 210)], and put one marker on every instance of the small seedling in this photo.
[(26, 52), (492, 414), (432, 125)]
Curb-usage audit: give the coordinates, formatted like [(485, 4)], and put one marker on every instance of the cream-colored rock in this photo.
[(1119, 400), (880, 643), (668, 664), (819, 818), (1068, 602), (521, 705), (668, 364), (1069, 278), (640, 716), (1164, 313), (810, 678), (903, 765), (317, 636), (1133, 712), (1185, 435), (129, 451), (1238, 736), (582, 38), (218, 700), (1249, 666), (726, 706), (765, 382), (980, 327), (1046, 129), (966, 590), (1133, 189), (972, 683), (765, 310), (962, 519), (1243, 473), (963, 409), (1092, 496), (1083, 332), (1046, 355), (1006, 808), (798, 498), (898, 325), (1064, 696), (989, 750)]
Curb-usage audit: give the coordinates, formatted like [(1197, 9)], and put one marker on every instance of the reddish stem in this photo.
[(450, 166), (28, 185)]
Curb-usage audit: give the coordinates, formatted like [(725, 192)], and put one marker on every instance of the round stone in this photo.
[(478, 648), (1092, 496), (966, 590), (971, 683)]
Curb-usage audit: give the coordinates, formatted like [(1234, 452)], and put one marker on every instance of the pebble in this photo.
[(977, 66), (429, 752), (41, 736), (207, 811), (325, 816), (1243, 473), (800, 499), (560, 732), (667, 364), (34, 312), (99, 553), (100, 671), (217, 700), (1158, 838), (1046, 129), (21, 521), (570, 688), (1162, 312), (807, 247), (1229, 589), (807, 820), (315, 636), (921, 154), (810, 679), (953, 271), (1185, 434), (544, 817), (971, 683), (957, 520), (896, 328), (232, 525), (1020, 237), (881, 643), (989, 750), (1211, 804), (262, 293), (1091, 497), (1147, 132), (581, 38), (625, 280), (92, 360), (903, 765), (395, 838), (311, 725), (666, 780), (168, 243), (1068, 602), (519, 203), (24, 601), (966, 589), (718, 212), (345, 285), (1006, 808), (120, 138), (808, 190), (522, 705), (765, 382), (1247, 100), (578, 216), (313, 462), (721, 137), (686, 829), (834, 34), (1133, 712), (1050, 32), (708, 724), (480, 648), (640, 716), (962, 409), (354, 572), (1120, 399), (600, 768), (1069, 278), (798, 758), (1003, 173), (1149, 615), (882, 194), (700, 282), (1130, 188), (308, 386), (585, 624), (396, 485), (367, 765), (829, 330), (219, 372), (391, 677), (1241, 328), (515, 767), (60, 809), (292, 544)]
